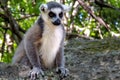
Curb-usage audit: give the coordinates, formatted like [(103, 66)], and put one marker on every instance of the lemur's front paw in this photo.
[(64, 72), (35, 72)]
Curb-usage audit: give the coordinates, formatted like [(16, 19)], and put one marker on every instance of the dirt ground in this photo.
[(85, 58)]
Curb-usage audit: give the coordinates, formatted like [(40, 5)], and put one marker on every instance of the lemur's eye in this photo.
[(61, 15), (51, 14)]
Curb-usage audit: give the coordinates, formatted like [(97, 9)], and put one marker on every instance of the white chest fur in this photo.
[(51, 40)]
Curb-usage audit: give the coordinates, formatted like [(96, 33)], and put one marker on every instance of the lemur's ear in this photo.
[(43, 7), (66, 8)]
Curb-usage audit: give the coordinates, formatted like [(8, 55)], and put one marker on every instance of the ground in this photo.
[(87, 59)]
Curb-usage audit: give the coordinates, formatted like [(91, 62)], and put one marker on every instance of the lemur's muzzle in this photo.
[(57, 22)]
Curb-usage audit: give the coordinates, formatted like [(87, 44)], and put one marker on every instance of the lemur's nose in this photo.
[(57, 22)]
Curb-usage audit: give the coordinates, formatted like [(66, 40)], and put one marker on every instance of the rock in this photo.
[(85, 58)]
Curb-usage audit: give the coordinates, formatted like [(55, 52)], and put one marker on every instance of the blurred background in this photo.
[(96, 19)]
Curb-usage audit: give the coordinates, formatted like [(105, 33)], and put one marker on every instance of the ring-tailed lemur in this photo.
[(43, 44)]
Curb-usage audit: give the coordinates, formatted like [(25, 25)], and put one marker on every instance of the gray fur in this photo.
[(40, 22), (53, 4)]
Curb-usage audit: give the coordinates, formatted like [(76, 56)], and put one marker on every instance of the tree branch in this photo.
[(26, 16), (88, 9), (6, 19), (14, 25), (102, 4), (3, 43)]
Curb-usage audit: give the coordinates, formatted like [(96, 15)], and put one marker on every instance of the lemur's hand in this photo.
[(35, 72), (64, 72)]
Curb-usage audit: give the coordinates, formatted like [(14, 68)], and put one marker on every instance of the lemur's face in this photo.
[(53, 15)]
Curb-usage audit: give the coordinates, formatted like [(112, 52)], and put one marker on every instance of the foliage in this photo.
[(16, 16), (25, 13)]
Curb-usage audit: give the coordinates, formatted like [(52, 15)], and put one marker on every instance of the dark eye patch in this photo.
[(61, 14), (51, 14)]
